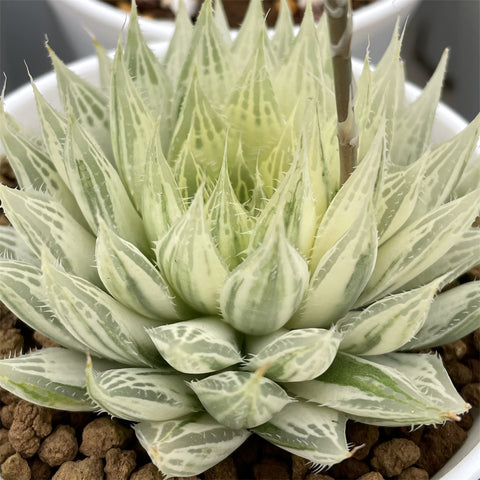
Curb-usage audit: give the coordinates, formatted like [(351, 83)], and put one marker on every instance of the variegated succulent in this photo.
[(182, 232)]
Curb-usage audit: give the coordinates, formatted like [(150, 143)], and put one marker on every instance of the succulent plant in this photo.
[(182, 232)]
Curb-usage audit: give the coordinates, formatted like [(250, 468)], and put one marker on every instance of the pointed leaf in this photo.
[(240, 399), (12, 246), (201, 345), (190, 445), (50, 377), (141, 394), (310, 431)]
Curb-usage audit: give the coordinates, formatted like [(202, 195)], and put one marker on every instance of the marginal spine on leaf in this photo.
[(339, 14)]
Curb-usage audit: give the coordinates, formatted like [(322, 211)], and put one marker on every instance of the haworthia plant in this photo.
[(183, 233)]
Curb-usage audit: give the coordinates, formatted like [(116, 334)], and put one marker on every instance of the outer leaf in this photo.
[(98, 188), (264, 291), (454, 314), (240, 399), (293, 355), (190, 262), (388, 324), (414, 124), (99, 322), (88, 103), (41, 221), (340, 276), (131, 122), (308, 430), (390, 390), (21, 290), (105, 66), (420, 245), (133, 280), (51, 377), (283, 37), (190, 445), (201, 345), (12, 246), (141, 394)]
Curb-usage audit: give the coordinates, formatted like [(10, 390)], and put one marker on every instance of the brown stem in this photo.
[(339, 15)]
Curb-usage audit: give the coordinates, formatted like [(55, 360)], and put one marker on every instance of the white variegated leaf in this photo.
[(189, 445), (414, 123), (12, 246), (99, 189), (310, 431), (131, 123), (22, 291), (102, 324), (141, 394), (240, 399), (390, 390), (189, 260), (105, 66), (88, 103), (221, 21), (264, 291), (51, 377), (293, 355), (387, 324), (133, 280), (201, 345), (283, 37), (420, 245), (341, 275), (41, 221), (453, 315)]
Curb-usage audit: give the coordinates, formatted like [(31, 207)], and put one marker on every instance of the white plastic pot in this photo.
[(464, 465), (375, 21)]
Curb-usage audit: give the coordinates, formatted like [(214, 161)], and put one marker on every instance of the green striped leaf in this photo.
[(310, 431), (131, 123), (293, 355), (133, 280), (162, 203), (99, 322), (341, 275), (264, 291), (99, 189), (190, 262), (190, 445), (415, 122), (88, 103), (43, 222), (230, 225), (50, 377), (201, 345), (387, 324), (105, 66), (453, 315), (390, 390), (240, 399), (22, 291), (418, 246), (141, 394), (12, 246)]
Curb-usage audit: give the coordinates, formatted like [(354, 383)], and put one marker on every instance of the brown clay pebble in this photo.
[(474, 365), (459, 373), (103, 434), (30, 424), (16, 468), (6, 415), (223, 470), (40, 470), (147, 472), (361, 434), (43, 341), (300, 467), (414, 473), (11, 342), (454, 351), (350, 468), (6, 448), (371, 476), (271, 469), (59, 447), (471, 394), (89, 469), (318, 476), (391, 457), (119, 464), (438, 445), (476, 339), (415, 434), (466, 421), (8, 398)]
